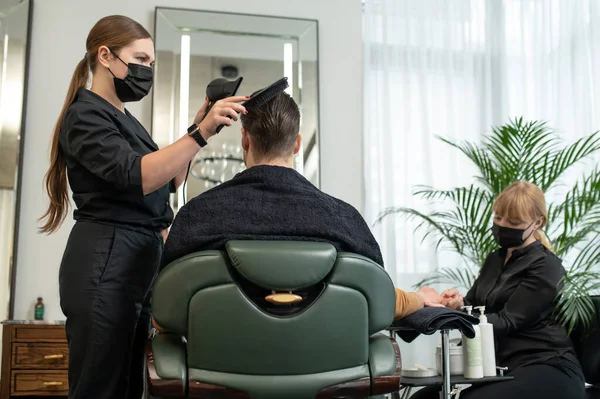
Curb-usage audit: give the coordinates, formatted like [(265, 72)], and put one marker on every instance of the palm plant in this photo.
[(527, 151)]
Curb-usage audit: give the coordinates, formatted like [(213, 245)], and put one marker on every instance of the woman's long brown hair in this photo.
[(115, 32)]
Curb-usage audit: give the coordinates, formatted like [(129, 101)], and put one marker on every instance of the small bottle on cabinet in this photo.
[(39, 309), (487, 344)]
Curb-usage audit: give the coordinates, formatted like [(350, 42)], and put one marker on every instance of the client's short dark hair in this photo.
[(274, 127)]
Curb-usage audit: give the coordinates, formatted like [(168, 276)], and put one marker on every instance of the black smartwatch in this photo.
[(194, 132)]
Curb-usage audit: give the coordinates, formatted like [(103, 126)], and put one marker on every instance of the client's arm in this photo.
[(156, 326), (406, 303), (409, 302)]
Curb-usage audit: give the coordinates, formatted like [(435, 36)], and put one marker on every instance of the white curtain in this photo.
[(455, 69)]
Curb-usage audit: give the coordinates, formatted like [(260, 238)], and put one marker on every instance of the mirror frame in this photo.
[(317, 75), (19, 179)]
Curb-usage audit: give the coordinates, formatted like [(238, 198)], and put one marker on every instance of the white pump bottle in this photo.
[(487, 344), (473, 362)]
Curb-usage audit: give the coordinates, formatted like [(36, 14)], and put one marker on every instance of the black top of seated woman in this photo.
[(103, 148), (268, 203), (520, 302)]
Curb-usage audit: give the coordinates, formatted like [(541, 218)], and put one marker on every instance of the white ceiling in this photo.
[(235, 35)]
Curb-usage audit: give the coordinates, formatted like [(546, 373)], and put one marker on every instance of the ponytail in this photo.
[(55, 180), (539, 234)]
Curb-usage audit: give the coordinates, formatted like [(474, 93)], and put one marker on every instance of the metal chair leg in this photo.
[(396, 395), (446, 388)]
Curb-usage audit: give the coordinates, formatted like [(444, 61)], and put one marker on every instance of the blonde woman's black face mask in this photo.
[(508, 237)]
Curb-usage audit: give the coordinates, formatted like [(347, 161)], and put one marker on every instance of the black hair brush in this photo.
[(263, 96)]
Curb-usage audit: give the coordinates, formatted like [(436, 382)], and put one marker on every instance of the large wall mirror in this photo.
[(15, 29), (15, 25), (195, 47)]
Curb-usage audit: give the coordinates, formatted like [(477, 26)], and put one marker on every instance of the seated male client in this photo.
[(272, 201)]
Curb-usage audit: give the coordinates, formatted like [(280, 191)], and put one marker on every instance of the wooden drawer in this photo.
[(40, 356), (36, 382), (39, 333)]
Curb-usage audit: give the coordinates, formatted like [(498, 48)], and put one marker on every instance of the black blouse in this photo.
[(520, 301), (103, 148)]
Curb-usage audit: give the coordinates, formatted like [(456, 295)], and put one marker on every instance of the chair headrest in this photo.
[(282, 265)]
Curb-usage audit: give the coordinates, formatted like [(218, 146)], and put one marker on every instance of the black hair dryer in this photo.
[(222, 88), (219, 89)]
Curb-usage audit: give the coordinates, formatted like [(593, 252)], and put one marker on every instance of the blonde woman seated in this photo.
[(518, 284)]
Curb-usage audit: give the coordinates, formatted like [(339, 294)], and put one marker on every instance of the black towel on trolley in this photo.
[(431, 319)]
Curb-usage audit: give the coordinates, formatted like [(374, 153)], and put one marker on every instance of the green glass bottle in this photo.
[(39, 309)]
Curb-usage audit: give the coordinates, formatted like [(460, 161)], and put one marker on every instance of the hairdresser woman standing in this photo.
[(121, 184)]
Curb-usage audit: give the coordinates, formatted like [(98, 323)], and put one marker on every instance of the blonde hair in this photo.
[(524, 201)]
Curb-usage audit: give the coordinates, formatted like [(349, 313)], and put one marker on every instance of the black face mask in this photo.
[(507, 237), (136, 85)]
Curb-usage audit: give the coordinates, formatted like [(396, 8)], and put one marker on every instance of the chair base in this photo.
[(161, 387), (356, 389), (368, 387)]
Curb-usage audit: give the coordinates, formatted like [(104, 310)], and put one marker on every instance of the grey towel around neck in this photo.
[(268, 203)]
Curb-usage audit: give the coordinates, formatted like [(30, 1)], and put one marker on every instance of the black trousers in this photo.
[(105, 282), (538, 381)]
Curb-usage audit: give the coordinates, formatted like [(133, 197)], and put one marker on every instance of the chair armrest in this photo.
[(385, 364), (166, 366)]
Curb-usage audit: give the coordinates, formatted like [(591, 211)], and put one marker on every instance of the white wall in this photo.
[(60, 28)]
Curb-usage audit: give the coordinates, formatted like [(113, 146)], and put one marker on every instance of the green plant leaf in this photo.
[(518, 147), (575, 306), (588, 259), (462, 277), (578, 216), (432, 224), (563, 159), (465, 226), (490, 177)]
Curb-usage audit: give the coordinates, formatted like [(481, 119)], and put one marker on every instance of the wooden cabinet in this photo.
[(34, 360)]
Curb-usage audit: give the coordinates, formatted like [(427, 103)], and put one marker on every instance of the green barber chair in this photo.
[(273, 319)]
